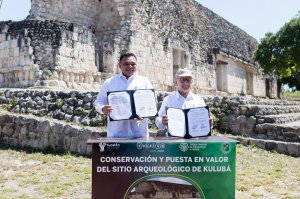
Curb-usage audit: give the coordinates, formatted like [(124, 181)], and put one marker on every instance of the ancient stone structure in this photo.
[(76, 44), (156, 189), (43, 53), (67, 119)]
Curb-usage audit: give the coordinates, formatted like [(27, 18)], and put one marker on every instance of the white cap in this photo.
[(184, 72)]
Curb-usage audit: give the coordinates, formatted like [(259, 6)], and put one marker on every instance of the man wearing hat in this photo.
[(182, 98)]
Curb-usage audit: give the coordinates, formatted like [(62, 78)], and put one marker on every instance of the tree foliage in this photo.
[(279, 53)]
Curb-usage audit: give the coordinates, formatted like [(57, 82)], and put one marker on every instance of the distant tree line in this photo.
[(279, 53)]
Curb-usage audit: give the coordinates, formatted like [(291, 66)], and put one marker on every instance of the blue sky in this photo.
[(256, 17)]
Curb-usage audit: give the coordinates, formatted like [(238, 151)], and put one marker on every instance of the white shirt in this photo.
[(124, 128), (175, 100)]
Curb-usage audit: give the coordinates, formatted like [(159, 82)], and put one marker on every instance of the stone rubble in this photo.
[(240, 116)]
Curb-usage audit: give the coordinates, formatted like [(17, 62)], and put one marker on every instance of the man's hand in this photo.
[(107, 109), (165, 120), (138, 118)]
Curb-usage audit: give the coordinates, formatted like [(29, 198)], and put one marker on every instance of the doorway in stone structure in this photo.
[(99, 57), (221, 74), (249, 82)]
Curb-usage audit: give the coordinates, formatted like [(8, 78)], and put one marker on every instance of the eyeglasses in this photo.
[(185, 80), (127, 65)]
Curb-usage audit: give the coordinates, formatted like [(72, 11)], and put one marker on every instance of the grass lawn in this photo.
[(259, 174), (292, 95)]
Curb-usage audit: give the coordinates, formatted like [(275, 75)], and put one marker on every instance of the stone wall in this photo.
[(169, 35), (78, 11), (237, 115), (112, 33), (16, 64), (48, 54), (165, 35), (233, 114), (109, 20), (16, 130), (69, 106), (164, 29), (237, 77)]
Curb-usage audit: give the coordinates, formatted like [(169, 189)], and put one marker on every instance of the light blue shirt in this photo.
[(123, 128), (175, 100)]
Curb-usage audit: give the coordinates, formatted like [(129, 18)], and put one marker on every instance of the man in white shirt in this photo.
[(126, 80), (182, 98)]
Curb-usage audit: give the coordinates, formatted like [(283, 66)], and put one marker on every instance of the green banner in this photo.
[(164, 169)]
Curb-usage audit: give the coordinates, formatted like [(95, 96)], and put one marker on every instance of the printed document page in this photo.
[(176, 124), (121, 104), (198, 122), (145, 103)]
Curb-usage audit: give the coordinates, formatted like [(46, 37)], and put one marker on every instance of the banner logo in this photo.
[(226, 148), (151, 146), (102, 146), (184, 147)]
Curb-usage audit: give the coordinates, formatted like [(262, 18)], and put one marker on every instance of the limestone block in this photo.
[(65, 61), (10, 62), (28, 60), (22, 61), (282, 148), (32, 75), (294, 149), (43, 143), (1, 53), (76, 53), (52, 83), (5, 52), (7, 130), (33, 143), (270, 145), (74, 143), (15, 61), (60, 76), (66, 77), (26, 75), (2, 39), (71, 77), (62, 84), (69, 52), (13, 43), (67, 142), (16, 51), (11, 52), (62, 51), (5, 45), (75, 36), (259, 143), (30, 50)]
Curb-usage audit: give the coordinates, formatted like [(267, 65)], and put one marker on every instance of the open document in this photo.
[(188, 123), (121, 103), (130, 104)]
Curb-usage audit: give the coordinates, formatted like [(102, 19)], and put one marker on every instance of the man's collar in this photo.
[(190, 95), (122, 76)]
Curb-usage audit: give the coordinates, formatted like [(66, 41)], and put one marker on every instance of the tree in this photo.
[(279, 53)]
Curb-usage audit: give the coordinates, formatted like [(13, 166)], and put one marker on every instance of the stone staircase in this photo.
[(269, 124), (272, 124)]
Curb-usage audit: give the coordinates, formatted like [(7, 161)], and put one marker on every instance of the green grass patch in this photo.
[(291, 94), (32, 175)]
